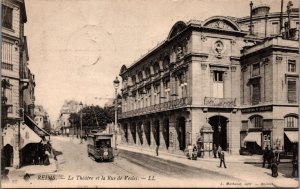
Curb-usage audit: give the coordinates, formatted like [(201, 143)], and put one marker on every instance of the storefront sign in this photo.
[(257, 109)]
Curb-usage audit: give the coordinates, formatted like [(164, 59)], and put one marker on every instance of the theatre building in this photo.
[(216, 82)]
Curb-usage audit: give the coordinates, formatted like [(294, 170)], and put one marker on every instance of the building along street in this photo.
[(133, 168)]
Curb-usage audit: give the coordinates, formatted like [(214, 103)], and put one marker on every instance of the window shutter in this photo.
[(292, 91)]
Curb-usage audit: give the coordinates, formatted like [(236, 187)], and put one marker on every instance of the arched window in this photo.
[(133, 79), (291, 121), (140, 75), (156, 67), (256, 121), (166, 62), (147, 71)]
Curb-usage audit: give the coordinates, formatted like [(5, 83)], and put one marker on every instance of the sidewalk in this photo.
[(243, 168)]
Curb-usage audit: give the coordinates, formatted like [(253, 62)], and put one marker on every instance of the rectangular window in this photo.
[(7, 62), (8, 94), (255, 93), (218, 84), (167, 90), (291, 66), (292, 96), (275, 28), (218, 76), (7, 16), (255, 69)]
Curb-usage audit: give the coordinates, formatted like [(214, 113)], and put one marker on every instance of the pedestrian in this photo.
[(201, 151), (215, 151), (157, 147), (46, 159), (274, 166), (4, 176), (265, 155), (195, 152), (222, 159), (295, 166), (190, 151), (271, 156), (219, 151)]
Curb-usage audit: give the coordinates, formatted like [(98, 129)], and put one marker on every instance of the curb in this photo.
[(138, 150)]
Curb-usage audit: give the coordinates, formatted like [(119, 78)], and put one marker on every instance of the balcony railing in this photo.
[(219, 102), (170, 105)]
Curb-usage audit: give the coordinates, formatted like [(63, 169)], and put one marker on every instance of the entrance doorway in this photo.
[(180, 128), (7, 156), (156, 132), (166, 132), (219, 125), (133, 132), (140, 132), (147, 130), (125, 129)]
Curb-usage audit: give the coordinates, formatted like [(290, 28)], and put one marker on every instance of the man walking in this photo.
[(222, 159), (265, 156), (215, 151)]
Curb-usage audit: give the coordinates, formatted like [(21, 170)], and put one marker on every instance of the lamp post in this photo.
[(116, 85), (80, 105)]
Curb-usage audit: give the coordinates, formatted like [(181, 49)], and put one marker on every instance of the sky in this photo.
[(77, 47)]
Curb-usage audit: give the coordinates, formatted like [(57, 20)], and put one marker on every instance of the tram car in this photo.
[(99, 146)]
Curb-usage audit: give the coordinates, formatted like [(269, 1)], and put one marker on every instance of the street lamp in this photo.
[(80, 105), (116, 85)]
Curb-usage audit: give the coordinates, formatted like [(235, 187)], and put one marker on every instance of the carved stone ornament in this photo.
[(265, 61), (233, 68), (233, 42), (278, 59), (218, 48), (203, 66), (179, 52), (219, 24), (203, 38)]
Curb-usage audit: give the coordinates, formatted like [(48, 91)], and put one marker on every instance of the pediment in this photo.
[(221, 23)]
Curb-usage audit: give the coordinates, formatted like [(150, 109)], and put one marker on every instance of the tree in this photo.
[(93, 116)]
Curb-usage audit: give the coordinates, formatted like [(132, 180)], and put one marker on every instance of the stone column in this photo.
[(130, 139), (143, 135), (172, 136), (152, 139), (16, 154), (161, 136), (188, 132)]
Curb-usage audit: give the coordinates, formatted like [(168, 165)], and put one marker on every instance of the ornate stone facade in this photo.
[(194, 78)]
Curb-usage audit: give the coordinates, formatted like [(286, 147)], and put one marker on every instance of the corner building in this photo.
[(219, 74)]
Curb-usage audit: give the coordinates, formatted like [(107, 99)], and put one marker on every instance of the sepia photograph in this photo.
[(149, 93)]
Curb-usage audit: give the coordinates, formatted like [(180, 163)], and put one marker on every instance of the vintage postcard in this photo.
[(143, 93)]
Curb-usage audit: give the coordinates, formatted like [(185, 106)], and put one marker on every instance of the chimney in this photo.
[(251, 27), (281, 18)]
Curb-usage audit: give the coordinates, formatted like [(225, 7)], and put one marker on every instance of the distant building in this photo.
[(69, 106), (228, 81)]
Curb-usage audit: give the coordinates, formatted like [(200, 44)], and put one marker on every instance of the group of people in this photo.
[(193, 153), (43, 152), (272, 160)]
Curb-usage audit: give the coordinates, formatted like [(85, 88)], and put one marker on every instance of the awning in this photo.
[(253, 137), (28, 135), (292, 136), (35, 127)]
